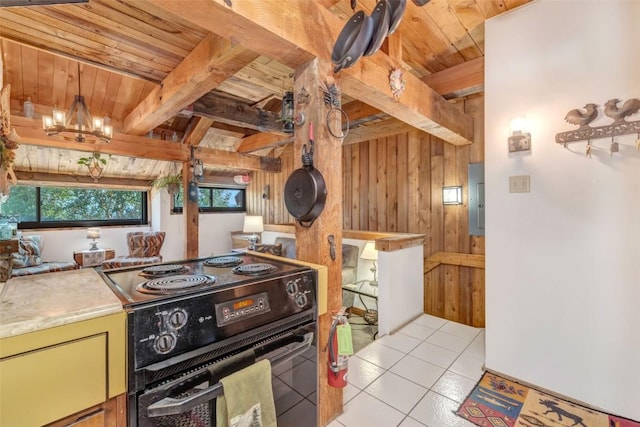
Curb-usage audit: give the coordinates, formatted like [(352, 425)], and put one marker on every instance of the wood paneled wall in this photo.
[(395, 184)]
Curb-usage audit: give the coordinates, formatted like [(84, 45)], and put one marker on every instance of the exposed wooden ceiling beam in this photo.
[(212, 61), (381, 129), (309, 32), (81, 180), (196, 130), (30, 133), (460, 80), (263, 140), (236, 113)]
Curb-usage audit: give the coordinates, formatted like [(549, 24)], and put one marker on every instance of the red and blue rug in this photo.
[(498, 402)]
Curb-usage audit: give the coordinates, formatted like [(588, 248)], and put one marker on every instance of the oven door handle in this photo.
[(173, 406)]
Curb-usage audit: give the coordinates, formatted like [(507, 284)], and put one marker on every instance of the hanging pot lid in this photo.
[(381, 16), (397, 10)]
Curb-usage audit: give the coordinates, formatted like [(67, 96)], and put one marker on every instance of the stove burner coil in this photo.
[(256, 269), (163, 270), (175, 284), (223, 261)]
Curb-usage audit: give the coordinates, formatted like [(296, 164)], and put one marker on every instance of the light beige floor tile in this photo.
[(380, 355), (400, 342), (418, 331), (448, 341), (367, 411), (363, 373), (460, 330), (435, 410), (430, 321), (420, 372), (437, 355), (454, 386), (396, 391), (410, 422), (468, 366)]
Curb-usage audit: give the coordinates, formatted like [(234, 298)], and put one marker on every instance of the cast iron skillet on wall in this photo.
[(305, 191)]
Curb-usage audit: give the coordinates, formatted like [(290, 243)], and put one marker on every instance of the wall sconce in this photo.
[(287, 112), (520, 139), (265, 192), (452, 195)]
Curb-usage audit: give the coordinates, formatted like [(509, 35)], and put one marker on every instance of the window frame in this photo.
[(177, 210), (39, 224)]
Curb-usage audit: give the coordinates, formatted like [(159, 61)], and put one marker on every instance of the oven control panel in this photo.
[(238, 309)]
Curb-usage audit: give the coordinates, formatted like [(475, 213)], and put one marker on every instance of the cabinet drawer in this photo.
[(45, 385)]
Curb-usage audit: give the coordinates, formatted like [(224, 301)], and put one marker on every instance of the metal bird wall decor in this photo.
[(589, 113)]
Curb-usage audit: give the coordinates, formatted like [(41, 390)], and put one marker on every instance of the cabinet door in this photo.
[(45, 385)]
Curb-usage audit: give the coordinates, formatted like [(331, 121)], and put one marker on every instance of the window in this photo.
[(215, 199), (48, 207)]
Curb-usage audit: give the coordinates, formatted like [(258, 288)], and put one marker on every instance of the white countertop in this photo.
[(41, 301)]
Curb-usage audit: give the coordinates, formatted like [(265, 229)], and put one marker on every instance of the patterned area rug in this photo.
[(498, 402)]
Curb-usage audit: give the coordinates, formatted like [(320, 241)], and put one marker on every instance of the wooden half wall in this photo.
[(394, 184)]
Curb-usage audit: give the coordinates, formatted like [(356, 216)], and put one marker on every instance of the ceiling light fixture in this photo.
[(77, 121)]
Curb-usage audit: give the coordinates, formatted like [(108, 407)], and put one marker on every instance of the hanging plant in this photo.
[(95, 163), (172, 183)]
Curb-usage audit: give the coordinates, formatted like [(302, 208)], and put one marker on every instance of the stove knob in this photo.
[(178, 319), (165, 343), (301, 300), (292, 288)]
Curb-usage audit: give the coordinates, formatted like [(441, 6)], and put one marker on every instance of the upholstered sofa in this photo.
[(28, 259), (349, 257), (144, 248)]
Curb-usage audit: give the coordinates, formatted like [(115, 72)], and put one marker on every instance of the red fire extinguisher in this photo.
[(337, 366)]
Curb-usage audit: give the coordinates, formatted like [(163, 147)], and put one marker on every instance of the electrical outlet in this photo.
[(519, 184)]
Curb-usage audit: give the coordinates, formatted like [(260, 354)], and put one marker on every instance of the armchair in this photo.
[(144, 248)]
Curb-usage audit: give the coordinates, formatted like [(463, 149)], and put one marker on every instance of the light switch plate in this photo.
[(519, 184)]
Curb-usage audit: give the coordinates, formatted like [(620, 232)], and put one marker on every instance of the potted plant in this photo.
[(95, 163), (171, 182)]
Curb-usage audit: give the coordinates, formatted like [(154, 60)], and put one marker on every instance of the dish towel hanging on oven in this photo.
[(248, 398)]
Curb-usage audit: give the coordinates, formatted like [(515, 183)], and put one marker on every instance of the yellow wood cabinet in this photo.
[(53, 373)]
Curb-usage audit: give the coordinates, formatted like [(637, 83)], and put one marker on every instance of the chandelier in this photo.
[(78, 121)]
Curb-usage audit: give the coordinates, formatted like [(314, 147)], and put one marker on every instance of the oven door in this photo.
[(188, 399)]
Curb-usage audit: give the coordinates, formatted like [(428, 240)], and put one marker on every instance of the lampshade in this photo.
[(94, 233), (369, 252), (253, 224)]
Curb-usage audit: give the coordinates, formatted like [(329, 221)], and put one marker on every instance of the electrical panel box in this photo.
[(476, 199)]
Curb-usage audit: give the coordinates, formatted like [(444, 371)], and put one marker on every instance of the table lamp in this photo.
[(371, 254), (253, 224), (93, 233)]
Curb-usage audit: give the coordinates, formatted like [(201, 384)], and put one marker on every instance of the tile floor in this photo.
[(414, 378)]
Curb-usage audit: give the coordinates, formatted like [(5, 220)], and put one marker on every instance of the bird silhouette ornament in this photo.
[(629, 108), (577, 117), (615, 109)]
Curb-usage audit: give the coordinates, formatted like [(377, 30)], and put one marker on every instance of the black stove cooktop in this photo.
[(146, 284)]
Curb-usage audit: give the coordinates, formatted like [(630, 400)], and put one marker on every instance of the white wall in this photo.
[(563, 261), (214, 229)]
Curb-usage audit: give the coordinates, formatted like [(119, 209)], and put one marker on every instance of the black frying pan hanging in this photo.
[(381, 16), (397, 10), (353, 40), (305, 191)]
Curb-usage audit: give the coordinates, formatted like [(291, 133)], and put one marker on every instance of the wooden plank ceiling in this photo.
[(152, 65)]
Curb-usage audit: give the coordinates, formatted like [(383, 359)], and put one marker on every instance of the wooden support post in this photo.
[(312, 244), (191, 214)]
